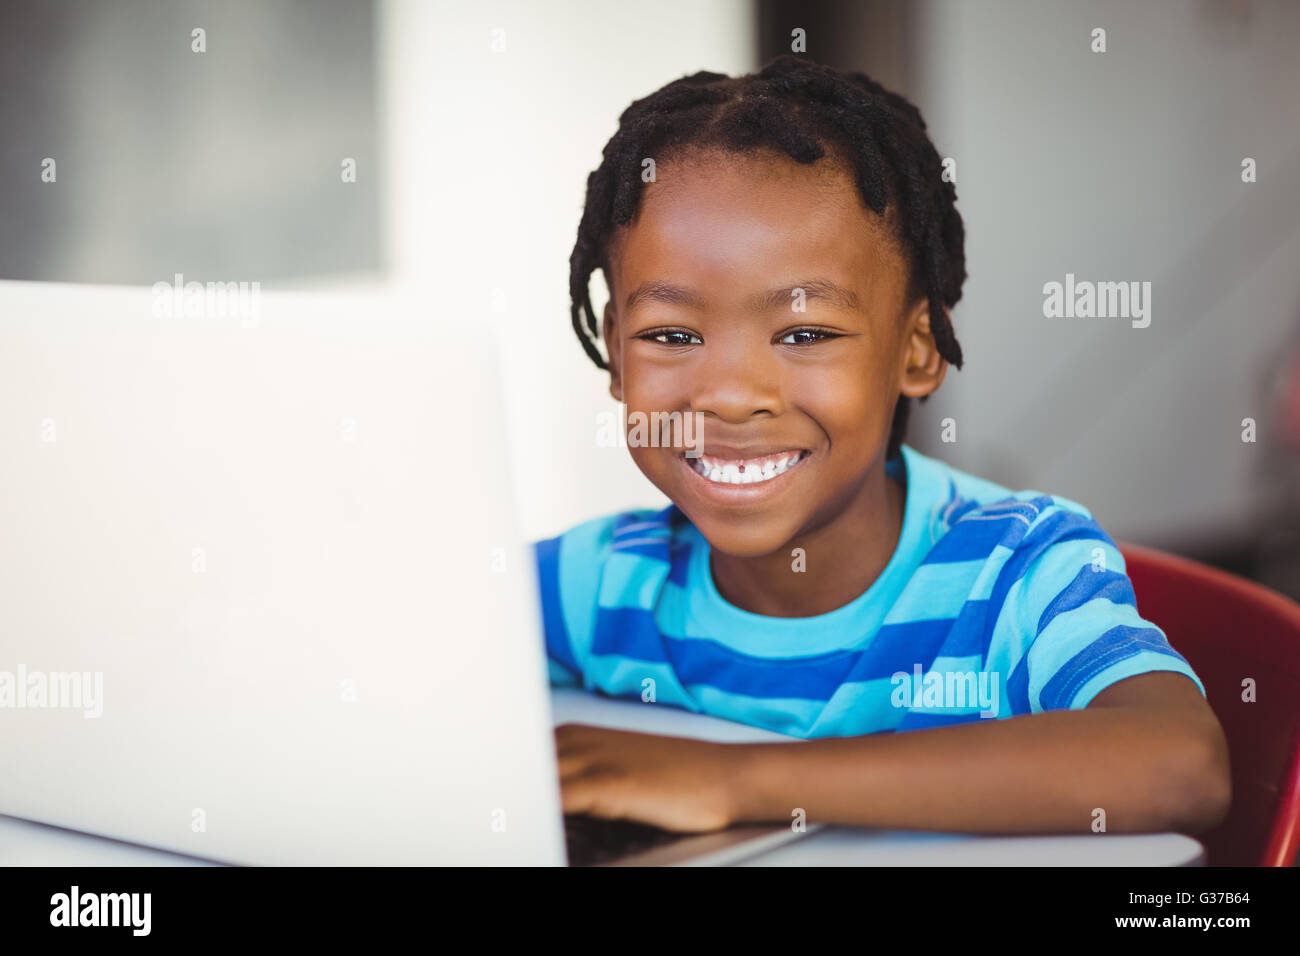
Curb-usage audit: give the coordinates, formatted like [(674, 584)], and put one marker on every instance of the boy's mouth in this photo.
[(745, 471)]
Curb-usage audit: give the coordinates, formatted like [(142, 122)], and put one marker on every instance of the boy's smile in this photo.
[(731, 468), (794, 407)]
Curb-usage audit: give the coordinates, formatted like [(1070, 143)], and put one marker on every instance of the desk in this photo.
[(23, 843), (851, 846)]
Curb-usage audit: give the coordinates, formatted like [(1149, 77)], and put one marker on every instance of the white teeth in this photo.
[(730, 474)]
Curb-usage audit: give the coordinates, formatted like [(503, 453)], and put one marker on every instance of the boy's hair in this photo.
[(796, 106)]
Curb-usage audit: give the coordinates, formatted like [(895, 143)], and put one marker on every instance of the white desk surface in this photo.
[(24, 843)]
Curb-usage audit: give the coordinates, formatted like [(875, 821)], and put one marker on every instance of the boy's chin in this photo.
[(742, 539)]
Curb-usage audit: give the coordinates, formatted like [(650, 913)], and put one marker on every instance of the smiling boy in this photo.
[(810, 560)]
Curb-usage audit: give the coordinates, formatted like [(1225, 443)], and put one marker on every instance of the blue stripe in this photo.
[(680, 556), (1119, 643), (628, 632), (898, 647), (1087, 586), (700, 661), (548, 580), (634, 633), (977, 531), (656, 550), (1018, 686), (970, 630), (971, 540)]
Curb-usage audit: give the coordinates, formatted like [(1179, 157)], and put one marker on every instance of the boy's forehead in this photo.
[(746, 222)]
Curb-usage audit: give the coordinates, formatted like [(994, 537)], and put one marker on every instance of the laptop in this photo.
[(263, 600)]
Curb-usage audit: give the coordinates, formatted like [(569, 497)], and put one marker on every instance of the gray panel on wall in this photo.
[(222, 165)]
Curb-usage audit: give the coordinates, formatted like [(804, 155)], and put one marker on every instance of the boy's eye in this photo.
[(670, 337), (682, 337), (814, 335)]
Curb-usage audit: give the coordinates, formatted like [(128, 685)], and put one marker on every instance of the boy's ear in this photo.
[(923, 367), (614, 354)]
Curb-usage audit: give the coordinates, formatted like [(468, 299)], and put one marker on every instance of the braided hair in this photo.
[(799, 107)]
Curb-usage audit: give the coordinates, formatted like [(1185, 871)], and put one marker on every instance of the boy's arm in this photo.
[(1147, 750)]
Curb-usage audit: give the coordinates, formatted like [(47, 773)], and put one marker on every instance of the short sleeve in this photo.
[(562, 668), (1078, 604), (568, 577)]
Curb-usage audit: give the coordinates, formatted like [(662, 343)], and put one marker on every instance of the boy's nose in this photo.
[(736, 381)]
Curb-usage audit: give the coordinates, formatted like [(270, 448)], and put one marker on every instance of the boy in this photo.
[(782, 253)]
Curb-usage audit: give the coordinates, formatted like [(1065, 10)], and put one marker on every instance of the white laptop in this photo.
[(262, 596)]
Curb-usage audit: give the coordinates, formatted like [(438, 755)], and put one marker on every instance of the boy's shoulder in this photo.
[(962, 515), (637, 543), (971, 492), (610, 560), (633, 530)]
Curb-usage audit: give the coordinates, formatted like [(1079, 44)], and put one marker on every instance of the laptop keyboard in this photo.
[(592, 841)]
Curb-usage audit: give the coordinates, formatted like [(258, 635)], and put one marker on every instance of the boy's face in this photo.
[(713, 330)]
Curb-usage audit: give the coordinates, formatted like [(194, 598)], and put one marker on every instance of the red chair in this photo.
[(1230, 629)]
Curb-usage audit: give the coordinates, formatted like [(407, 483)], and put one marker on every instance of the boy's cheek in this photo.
[(657, 464)]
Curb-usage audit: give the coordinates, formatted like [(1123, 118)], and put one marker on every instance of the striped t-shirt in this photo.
[(995, 603)]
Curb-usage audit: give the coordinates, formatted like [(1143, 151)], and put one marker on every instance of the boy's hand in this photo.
[(671, 782)]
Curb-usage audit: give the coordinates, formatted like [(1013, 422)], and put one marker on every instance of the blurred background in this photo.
[(472, 128)]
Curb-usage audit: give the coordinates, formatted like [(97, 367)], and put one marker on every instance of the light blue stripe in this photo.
[(786, 715), (971, 662), (630, 580), (1011, 637), (621, 675), (671, 615), (982, 589), (1045, 578), (1069, 634), (859, 707), (935, 591)]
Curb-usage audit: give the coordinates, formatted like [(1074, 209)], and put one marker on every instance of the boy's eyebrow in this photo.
[(666, 292), (823, 289), (669, 294)]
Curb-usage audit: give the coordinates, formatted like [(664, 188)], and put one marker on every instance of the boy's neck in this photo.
[(843, 558)]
